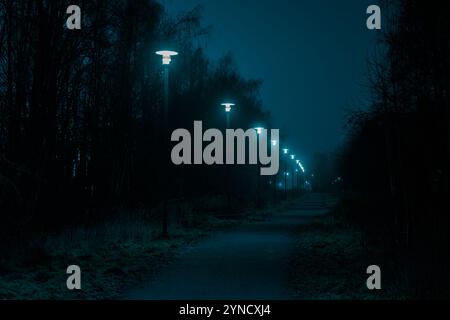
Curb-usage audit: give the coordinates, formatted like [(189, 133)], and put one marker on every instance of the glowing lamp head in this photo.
[(292, 157), (228, 106), (274, 143), (166, 56), (259, 130), (301, 167), (285, 151)]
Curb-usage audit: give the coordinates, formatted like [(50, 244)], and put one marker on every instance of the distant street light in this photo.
[(166, 60), (275, 178), (166, 56), (293, 176), (259, 130), (300, 177), (228, 107), (296, 182), (275, 193), (285, 152), (301, 167), (258, 189)]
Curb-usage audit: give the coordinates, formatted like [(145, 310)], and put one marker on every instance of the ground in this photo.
[(120, 255), (299, 251), (330, 263)]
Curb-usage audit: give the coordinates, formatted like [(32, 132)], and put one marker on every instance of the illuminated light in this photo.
[(228, 106), (259, 130), (274, 143), (298, 161), (166, 56), (301, 167), (285, 151), (292, 157)]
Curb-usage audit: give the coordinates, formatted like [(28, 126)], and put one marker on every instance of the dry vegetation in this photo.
[(330, 262)]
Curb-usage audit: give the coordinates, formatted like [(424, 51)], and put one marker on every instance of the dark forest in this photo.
[(85, 170)]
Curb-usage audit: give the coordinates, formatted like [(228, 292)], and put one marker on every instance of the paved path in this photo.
[(249, 262)]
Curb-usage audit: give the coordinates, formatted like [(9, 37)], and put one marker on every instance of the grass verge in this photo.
[(330, 262), (118, 257)]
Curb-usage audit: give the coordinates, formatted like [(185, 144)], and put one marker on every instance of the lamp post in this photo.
[(297, 178), (293, 175), (275, 200), (302, 169), (228, 107), (166, 60), (285, 152), (258, 188)]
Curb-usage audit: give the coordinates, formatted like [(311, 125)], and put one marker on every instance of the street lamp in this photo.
[(228, 107), (166, 56), (285, 152), (275, 178), (293, 175), (259, 130), (166, 60), (301, 167), (258, 192), (300, 176)]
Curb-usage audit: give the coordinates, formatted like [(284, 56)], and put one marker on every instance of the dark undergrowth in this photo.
[(113, 257), (330, 262)]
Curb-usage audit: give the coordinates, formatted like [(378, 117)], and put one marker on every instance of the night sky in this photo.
[(311, 56)]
